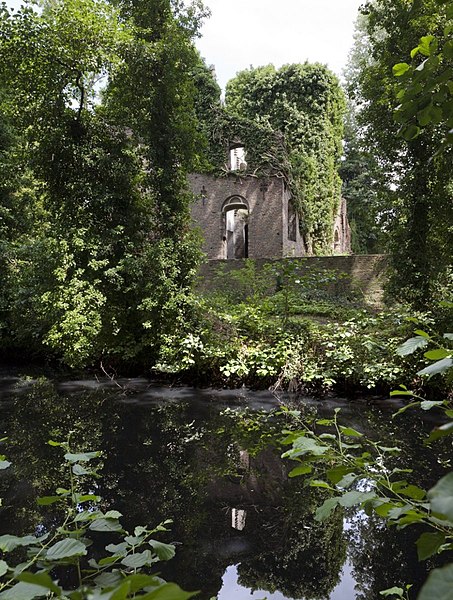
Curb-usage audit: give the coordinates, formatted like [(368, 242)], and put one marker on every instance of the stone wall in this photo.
[(342, 230), (363, 275), (267, 203)]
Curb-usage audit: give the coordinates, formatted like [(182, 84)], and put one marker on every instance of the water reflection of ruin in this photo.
[(268, 530), (188, 461)]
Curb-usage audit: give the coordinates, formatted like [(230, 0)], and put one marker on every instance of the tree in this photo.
[(108, 266), (426, 84), (362, 187), (419, 194)]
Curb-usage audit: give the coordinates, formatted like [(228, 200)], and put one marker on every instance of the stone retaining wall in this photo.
[(364, 275)]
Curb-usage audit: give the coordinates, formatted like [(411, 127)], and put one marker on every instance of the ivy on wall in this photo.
[(291, 123), (266, 149)]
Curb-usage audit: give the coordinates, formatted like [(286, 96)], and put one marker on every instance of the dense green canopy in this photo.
[(100, 131), (415, 183)]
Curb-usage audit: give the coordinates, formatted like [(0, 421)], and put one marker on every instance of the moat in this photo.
[(211, 461)]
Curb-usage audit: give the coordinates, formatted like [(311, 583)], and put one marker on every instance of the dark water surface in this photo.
[(210, 460)]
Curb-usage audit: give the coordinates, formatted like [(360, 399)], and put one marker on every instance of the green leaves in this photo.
[(429, 404), (24, 591), (306, 104), (441, 366), (347, 500), (424, 88), (440, 432), (324, 511), (67, 548), (410, 132), (400, 69), (305, 445), (163, 551), (47, 500), (428, 544), (105, 525), (81, 456), (441, 497), (3, 568), (442, 356), (138, 560), (339, 472), (411, 345), (110, 578), (4, 464), (8, 543), (437, 354), (350, 432), (393, 591), (41, 579), (301, 470), (428, 44), (439, 585)]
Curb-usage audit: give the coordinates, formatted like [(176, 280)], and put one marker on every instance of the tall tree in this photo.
[(421, 204), (363, 187), (110, 258)]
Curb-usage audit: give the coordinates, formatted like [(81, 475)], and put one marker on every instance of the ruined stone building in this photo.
[(267, 183), (244, 215)]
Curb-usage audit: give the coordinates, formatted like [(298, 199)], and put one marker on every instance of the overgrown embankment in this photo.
[(295, 325)]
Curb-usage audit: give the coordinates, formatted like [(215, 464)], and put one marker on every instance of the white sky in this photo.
[(241, 33)]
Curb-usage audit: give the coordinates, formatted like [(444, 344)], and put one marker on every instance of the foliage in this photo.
[(305, 104), (357, 468), (418, 191), (51, 61), (362, 187), (196, 458), (426, 83), (286, 326), (104, 269), (266, 156), (64, 548)]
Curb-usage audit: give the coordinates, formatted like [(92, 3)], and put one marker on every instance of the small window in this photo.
[(237, 159), (336, 241), (292, 222)]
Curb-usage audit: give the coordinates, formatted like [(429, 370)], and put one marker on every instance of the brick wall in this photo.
[(365, 274), (266, 199)]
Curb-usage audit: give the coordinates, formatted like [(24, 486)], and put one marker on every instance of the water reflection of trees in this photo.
[(190, 462), (383, 556), (304, 558)]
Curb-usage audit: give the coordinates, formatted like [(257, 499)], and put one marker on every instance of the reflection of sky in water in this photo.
[(232, 590), (209, 467)]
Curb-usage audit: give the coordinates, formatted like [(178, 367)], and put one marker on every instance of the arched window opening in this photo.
[(336, 241), (292, 222), (235, 213), (237, 157)]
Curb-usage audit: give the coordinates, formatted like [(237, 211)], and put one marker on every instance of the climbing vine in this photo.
[(219, 128), (305, 104)]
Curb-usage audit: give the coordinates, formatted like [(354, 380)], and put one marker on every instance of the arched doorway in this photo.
[(235, 216)]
